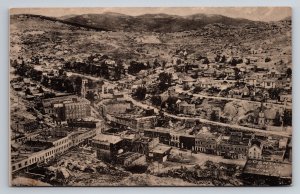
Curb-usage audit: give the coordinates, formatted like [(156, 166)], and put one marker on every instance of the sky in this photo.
[(251, 13)]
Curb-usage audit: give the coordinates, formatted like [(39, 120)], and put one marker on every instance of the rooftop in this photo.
[(268, 168), (63, 99), (161, 149), (107, 138)]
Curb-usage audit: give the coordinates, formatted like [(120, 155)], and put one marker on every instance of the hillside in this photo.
[(154, 35), (153, 22)]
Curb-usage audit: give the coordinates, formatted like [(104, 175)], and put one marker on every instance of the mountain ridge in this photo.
[(111, 21)]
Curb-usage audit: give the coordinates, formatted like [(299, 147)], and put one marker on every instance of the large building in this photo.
[(67, 108), (206, 143), (108, 146), (48, 145)]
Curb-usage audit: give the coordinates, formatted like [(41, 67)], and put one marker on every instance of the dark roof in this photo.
[(255, 142)]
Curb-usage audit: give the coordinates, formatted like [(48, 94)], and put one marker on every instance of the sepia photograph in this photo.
[(150, 96)]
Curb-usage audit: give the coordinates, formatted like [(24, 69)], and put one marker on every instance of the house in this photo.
[(17, 87), (204, 83), (160, 153), (229, 72), (268, 83), (270, 115), (284, 83), (172, 91), (186, 108), (108, 88), (186, 80), (251, 81), (211, 72), (285, 98), (273, 74), (283, 143), (255, 149), (245, 91)]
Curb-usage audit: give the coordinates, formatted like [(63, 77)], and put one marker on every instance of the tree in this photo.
[(274, 93), (90, 96), (156, 100), (41, 90), (171, 104), (45, 81), (205, 61), (136, 67), (214, 116), (289, 72), (165, 80), (223, 59), (78, 83), (217, 58), (118, 71), (287, 118), (267, 59), (277, 119), (28, 92), (140, 93)]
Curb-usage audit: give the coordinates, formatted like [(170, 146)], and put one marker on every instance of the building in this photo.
[(206, 143), (268, 172), (255, 149), (162, 133), (107, 146), (233, 147), (65, 108), (49, 145), (116, 106), (130, 158), (136, 122), (268, 83), (261, 119), (186, 108), (187, 141), (160, 153), (84, 87), (175, 139)]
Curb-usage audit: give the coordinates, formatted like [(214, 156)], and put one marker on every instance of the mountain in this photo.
[(163, 23), (66, 17), (64, 22), (152, 22)]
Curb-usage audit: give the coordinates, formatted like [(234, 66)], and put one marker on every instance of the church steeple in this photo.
[(83, 87)]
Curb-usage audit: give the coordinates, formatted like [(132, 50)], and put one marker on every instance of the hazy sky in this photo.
[(252, 13)]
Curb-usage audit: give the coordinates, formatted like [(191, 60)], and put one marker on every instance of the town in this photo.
[(202, 107)]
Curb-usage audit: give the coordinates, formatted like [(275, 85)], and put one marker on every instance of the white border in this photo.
[(4, 101)]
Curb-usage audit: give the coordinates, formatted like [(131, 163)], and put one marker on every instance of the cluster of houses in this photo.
[(237, 145)]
